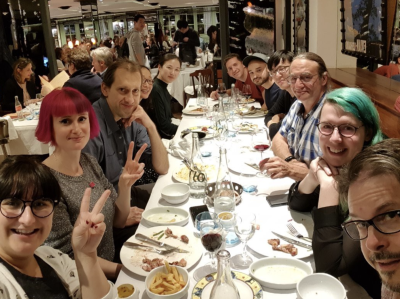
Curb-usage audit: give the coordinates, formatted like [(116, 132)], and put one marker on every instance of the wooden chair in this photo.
[(4, 138), (206, 80)]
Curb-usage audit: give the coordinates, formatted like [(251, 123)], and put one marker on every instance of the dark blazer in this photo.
[(12, 89), (87, 83)]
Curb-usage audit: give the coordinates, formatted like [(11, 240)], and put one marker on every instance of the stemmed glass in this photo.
[(261, 142), (212, 238), (245, 226), (221, 89), (234, 125), (246, 90)]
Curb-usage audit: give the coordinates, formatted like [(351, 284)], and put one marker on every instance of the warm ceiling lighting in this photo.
[(93, 40), (77, 43), (70, 45)]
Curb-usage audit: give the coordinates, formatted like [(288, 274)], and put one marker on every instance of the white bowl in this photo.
[(279, 273), (135, 294), (164, 215), (320, 285), (175, 193), (178, 295)]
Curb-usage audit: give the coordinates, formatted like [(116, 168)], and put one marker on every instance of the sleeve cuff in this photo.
[(327, 216)]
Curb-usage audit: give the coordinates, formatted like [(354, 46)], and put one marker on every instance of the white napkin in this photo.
[(181, 147), (12, 133)]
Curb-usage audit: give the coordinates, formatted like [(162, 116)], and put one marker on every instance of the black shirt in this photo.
[(49, 286), (87, 83), (12, 89), (271, 95), (187, 50)]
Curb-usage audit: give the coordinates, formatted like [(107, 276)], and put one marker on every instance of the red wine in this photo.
[(261, 147), (211, 242)]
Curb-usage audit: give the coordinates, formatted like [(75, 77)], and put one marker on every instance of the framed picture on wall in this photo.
[(300, 26), (364, 33)]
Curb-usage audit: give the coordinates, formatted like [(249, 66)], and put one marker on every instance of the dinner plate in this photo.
[(247, 101), (192, 110), (166, 216), (259, 242), (257, 114), (247, 127), (182, 173), (237, 165), (248, 287), (209, 132), (132, 258)]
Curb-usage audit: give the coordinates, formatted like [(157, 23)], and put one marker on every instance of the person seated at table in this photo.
[(348, 123), (122, 120), (29, 193), (297, 143), (153, 53), (169, 68), (259, 73), (166, 45), (102, 58), (236, 69), (21, 84), (82, 79), (67, 121), (279, 64), (370, 187), (214, 41), (59, 57), (389, 70)]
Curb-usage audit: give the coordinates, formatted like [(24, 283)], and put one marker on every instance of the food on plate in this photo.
[(168, 233), (252, 108), (248, 127), (185, 239), (183, 173), (197, 110), (181, 263), (166, 284), (244, 101), (149, 264), (204, 129), (286, 248), (125, 290), (165, 217)]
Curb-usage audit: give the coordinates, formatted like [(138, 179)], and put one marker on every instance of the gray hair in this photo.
[(103, 54)]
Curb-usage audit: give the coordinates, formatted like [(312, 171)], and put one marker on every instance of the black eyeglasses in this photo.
[(14, 207), (281, 70), (148, 81), (345, 130), (385, 223)]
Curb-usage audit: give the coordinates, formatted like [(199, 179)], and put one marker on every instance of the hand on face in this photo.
[(134, 217), (140, 116), (133, 170), (89, 227)]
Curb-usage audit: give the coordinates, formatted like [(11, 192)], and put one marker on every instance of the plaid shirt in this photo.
[(301, 132)]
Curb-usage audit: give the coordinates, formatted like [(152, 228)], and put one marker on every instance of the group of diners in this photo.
[(108, 153)]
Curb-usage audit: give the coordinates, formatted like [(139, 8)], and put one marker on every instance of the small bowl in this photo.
[(279, 273), (178, 295), (175, 193), (134, 295), (320, 285)]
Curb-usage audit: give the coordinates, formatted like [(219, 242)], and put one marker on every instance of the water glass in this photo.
[(245, 227)]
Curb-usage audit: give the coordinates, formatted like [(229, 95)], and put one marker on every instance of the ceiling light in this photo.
[(64, 7), (153, 3)]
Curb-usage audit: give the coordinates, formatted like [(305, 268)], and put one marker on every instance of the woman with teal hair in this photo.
[(347, 124)]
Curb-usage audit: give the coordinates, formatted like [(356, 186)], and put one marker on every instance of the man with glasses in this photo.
[(370, 186), (279, 64), (297, 143), (121, 121), (259, 73)]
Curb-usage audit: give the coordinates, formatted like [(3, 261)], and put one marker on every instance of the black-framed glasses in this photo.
[(385, 223), (304, 78), (345, 130), (147, 81), (14, 207), (280, 70)]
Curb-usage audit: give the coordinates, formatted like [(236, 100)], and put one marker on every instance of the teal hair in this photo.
[(356, 102)]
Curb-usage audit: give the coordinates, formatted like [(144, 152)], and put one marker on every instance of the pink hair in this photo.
[(62, 102)]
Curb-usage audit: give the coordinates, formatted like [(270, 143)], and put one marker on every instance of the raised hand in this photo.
[(140, 116), (89, 227), (133, 170)]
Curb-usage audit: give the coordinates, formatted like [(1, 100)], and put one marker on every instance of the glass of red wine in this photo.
[(221, 89), (261, 142), (212, 238), (246, 90)]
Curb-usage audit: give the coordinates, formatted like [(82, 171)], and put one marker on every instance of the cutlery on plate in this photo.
[(253, 165), (148, 248), (144, 238), (294, 232), (291, 241)]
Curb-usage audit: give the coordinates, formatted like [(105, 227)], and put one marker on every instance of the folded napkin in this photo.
[(181, 147), (12, 133)]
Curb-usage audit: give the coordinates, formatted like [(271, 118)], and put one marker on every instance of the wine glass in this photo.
[(234, 126), (245, 226), (261, 142), (246, 90), (221, 89), (212, 238)]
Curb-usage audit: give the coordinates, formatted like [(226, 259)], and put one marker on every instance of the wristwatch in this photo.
[(290, 158)]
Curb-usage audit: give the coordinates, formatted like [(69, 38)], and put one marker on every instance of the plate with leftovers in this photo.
[(166, 216), (209, 131), (246, 101), (141, 262), (182, 174), (193, 110), (246, 127)]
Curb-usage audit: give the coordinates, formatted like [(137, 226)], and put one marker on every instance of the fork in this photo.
[(294, 232), (148, 248)]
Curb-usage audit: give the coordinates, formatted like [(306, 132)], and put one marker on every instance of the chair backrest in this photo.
[(3, 131), (206, 80)]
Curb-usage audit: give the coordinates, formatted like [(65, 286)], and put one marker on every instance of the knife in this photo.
[(141, 247), (291, 241), (158, 243), (253, 165)]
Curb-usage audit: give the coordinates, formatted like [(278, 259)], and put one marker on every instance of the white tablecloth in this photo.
[(258, 204), (183, 80), (26, 143)]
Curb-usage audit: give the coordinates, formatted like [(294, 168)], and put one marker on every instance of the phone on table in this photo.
[(278, 200), (196, 210)]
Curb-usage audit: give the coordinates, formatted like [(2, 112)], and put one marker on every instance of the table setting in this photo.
[(269, 246)]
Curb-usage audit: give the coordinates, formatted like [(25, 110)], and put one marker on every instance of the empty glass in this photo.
[(245, 226)]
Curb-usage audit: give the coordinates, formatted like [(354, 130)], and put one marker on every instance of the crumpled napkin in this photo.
[(180, 147), (12, 133)]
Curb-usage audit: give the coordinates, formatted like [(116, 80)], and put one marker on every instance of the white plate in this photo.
[(248, 129), (258, 114), (132, 258), (259, 243), (211, 174), (239, 166), (247, 101), (189, 110), (164, 215), (279, 273), (244, 290), (209, 133)]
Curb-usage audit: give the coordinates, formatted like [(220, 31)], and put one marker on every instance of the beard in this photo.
[(261, 82), (386, 276)]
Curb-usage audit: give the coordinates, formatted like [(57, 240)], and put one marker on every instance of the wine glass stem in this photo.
[(212, 257), (244, 254)]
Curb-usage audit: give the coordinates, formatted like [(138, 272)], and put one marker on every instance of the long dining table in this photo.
[(267, 216)]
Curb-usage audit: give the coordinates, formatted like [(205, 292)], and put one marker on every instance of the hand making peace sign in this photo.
[(89, 227), (133, 170)]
